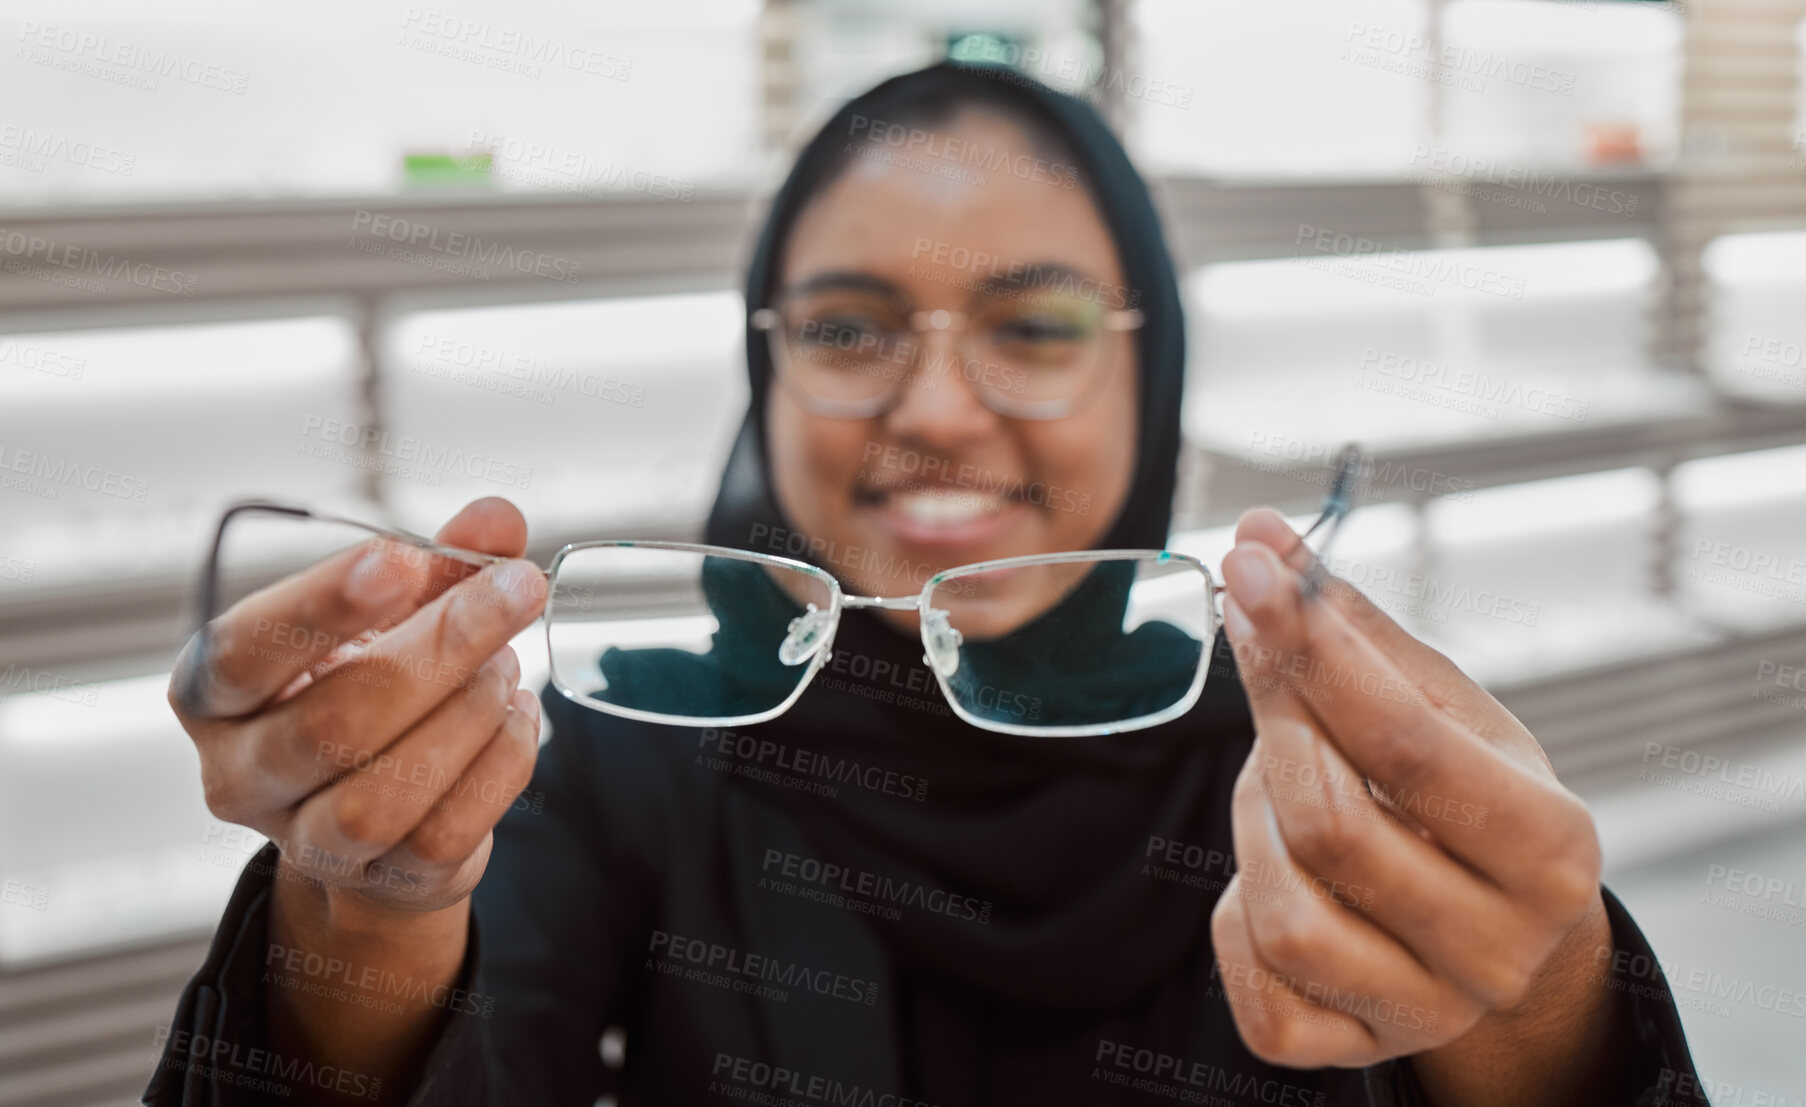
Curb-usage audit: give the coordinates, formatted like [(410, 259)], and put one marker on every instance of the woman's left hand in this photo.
[(1411, 877)]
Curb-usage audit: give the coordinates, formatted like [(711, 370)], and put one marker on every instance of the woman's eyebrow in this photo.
[(845, 279), (1039, 275)]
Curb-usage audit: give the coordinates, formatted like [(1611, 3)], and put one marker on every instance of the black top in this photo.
[(659, 879)]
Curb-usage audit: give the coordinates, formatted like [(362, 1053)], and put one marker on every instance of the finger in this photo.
[(368, 804), (257, 648), (264, 643), (459, 827), (1269, 527), (1439, 679), (1351, 851), (378, 694), (490, 525), (1374, 713), (1275, 1023), (1334, 957)]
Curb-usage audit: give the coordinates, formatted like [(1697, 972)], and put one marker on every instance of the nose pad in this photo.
[(943, 643), (807, 633)]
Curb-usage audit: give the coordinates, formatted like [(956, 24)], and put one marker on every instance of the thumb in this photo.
[(490, 525)]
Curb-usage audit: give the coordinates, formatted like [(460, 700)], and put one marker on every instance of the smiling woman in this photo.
[(1024, 923), (855, 254)]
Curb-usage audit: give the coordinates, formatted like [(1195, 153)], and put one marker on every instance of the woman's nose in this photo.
[(938, 404)]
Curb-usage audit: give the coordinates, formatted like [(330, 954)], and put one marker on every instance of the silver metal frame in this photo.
[(769, 320), (839, 601), (1336, 506)]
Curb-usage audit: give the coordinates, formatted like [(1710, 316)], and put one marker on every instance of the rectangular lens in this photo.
[(845, 346), (684, 635), (1045, 348), (1115, 642)]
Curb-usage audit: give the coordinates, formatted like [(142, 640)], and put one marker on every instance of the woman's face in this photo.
[(941, 480)]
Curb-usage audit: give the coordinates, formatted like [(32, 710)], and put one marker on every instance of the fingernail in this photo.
[(1249, 576), (507, 666), (1236, 620), (522, 584)]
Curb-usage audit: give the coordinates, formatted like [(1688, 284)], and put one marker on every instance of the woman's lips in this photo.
[(949, 520)]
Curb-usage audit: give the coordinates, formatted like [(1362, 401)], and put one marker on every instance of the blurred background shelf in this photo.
[(1566, 322)]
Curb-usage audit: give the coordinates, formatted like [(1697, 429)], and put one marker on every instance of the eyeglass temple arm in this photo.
[(1336, 506), (210, 572)]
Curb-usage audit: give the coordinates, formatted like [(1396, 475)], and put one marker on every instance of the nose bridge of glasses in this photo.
[(882, 603), (939, 336)]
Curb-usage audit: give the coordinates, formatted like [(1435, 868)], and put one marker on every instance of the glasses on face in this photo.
[(849, 352), (1066, 644)]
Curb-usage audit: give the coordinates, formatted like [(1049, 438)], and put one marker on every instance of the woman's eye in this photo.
[(1039, 328), (842, 330)]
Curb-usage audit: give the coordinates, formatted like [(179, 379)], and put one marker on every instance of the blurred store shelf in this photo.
[(87, 1033)]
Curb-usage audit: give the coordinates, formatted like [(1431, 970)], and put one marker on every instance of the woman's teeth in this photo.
[(946, 508)]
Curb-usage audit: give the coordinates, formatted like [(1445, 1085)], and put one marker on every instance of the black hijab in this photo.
[(1049, 834), (1122, 198)]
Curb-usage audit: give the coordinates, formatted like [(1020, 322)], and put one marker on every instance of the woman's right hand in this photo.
[(378, 767)]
